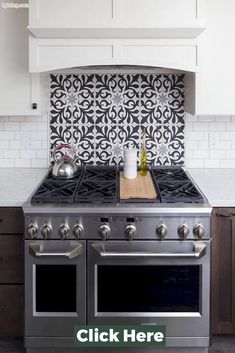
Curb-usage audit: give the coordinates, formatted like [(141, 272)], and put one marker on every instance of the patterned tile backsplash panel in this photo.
[(101, 114)]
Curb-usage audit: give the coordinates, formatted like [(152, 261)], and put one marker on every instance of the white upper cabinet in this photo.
[(115, 18), (215, 90), (19, 90)]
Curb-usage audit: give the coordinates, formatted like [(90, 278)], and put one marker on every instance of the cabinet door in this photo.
[(106, 13), (11, 259), (223, 271), (11, 310), (18, 89), (215, 94)]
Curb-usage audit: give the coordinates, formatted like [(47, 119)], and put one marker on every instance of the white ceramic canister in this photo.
[(130, 163)]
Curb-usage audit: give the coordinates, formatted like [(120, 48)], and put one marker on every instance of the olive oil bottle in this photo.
[(143, 156)]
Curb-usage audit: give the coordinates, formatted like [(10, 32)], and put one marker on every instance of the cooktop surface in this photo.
[(100, 184)]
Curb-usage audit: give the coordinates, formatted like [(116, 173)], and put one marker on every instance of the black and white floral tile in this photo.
[(101, 114)]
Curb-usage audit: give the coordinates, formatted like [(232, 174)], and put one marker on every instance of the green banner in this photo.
[(119, 336)]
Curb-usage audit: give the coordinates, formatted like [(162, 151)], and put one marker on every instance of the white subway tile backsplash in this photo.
[(39, 163), (7, 163), (217, 154), (15, 145), (217, 126), (195, 135), (211, 163), (26, 154), (7, 135), (204, 144), (202, 154), (227, 135), (22, 163), (218, 140), (230, 154), (41, 126), (227, 163), (9, 125), (39, 135), (4, 144), (230, 126), (12, 154), (195, 163), (18, 145), (194, 144), (28, 126), (42, 154), (201, 126)]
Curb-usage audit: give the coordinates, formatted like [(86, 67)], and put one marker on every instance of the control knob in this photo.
[(130, 231), (161, 231), (183, 231), (104, 231), (46, 231), (64, 231), (32, 231), (78, 231), (198, 231)]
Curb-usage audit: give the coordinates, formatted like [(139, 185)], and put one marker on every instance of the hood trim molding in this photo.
[(60, 53)]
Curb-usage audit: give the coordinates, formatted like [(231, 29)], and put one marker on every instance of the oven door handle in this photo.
[(199, 251), (73, 251)]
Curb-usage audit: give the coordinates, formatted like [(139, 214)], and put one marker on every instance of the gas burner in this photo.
[(55, 190), (99, 184), (91, 185), (175, 186)]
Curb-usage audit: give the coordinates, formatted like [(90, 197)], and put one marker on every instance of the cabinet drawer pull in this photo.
[(225, 215), (1, 220)]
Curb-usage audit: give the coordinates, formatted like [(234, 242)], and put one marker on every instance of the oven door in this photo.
[(150, 282), (54, 287)]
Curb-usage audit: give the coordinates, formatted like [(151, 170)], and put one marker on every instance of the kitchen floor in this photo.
[(220, 344)]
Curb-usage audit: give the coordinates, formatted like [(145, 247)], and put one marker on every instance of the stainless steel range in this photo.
[(91, 258)]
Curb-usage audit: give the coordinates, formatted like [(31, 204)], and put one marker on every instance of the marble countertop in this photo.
[(218, 185), (17, 184)]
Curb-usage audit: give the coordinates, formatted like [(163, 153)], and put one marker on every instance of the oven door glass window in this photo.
[(55, 289), (148, 288)]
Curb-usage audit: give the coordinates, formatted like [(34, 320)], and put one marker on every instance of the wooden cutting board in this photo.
[(139, 188)]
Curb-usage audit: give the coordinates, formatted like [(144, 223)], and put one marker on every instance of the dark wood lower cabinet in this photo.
[(223, 271), (11, 310), (11, 272)]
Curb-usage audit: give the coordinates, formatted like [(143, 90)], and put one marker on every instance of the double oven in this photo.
[(118, 281)]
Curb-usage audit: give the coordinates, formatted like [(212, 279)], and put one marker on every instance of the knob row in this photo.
[(183, 231), (105, 231), (46, 231)]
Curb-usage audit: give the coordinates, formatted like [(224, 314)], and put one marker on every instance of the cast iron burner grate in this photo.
[(54, 190), (175, 186), (98, 185)]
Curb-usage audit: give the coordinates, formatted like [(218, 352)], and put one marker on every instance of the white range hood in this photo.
[(157, 33)]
